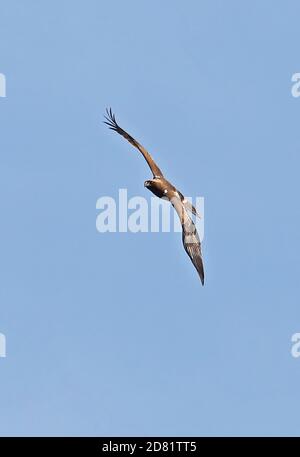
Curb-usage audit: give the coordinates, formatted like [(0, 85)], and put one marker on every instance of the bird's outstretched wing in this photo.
[(190, 237), (112, 123)]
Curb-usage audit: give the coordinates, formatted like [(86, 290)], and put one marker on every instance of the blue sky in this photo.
[(112, 334)]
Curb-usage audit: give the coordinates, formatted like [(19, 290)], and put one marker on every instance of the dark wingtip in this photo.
[(110, 118), (202, 276), (108, 111)]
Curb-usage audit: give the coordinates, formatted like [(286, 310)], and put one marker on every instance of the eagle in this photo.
[(162, 188)]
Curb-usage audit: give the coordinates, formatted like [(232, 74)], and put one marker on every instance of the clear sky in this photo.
[(112, 334)]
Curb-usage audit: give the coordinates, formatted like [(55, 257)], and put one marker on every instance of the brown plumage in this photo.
[(162, 188)]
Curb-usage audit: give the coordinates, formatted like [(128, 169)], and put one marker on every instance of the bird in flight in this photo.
[(162, 188)]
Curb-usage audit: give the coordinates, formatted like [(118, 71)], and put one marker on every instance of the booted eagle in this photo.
[(162, 188)]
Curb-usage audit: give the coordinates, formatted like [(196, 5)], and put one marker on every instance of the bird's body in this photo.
[(162, 188)]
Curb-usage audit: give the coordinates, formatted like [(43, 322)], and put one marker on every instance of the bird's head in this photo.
[(147, 183)]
